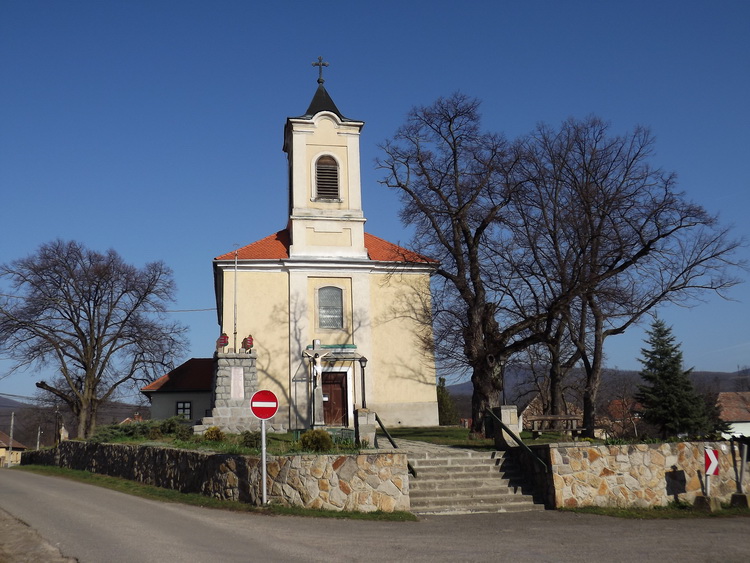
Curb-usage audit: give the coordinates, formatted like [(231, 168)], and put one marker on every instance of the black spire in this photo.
[(322, 100)]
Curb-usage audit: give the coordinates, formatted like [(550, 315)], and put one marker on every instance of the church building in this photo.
[(338, 318)]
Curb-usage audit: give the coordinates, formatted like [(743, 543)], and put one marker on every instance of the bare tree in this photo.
[(96, 320), (568, 234), (619, 233), (455, 183)]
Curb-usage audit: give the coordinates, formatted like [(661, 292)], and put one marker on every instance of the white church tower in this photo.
[(325, 194), (339, 317)]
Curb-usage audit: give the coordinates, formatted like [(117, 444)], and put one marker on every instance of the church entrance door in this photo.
[(335, 407)]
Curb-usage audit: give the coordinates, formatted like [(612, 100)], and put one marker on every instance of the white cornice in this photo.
[(333, 266)]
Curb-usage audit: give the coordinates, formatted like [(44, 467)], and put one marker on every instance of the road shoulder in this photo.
[(20, 543)]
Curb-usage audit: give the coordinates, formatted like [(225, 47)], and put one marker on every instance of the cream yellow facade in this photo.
[(320, 295)]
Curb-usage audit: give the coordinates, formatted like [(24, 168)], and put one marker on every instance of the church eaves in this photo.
[(276, 247)]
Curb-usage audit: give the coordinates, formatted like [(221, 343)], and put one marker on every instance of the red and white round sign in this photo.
[(264, 404)]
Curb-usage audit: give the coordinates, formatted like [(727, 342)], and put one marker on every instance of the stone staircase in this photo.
[(464, 481)]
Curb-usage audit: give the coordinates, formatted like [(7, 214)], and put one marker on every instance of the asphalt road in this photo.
[(95, 525)]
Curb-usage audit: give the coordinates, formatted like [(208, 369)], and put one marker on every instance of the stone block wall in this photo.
[(361, 482), (630, 475), (231, 399)]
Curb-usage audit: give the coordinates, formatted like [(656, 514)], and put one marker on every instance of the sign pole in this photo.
[(264, 405), (263, 458), (712, 467), (743, 457)]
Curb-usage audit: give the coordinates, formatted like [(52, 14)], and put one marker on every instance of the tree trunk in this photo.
[(87, 420), (486, 395), (589, 410), (555, 387)]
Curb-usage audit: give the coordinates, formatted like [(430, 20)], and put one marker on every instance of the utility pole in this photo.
[(57, 425), (10, 446)]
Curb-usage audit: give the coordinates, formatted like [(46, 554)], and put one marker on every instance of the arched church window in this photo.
[(330, 307), (326, 178)]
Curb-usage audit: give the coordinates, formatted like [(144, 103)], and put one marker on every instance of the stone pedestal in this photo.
[(235, 381), (739, 500), (707, 504), (509, 415), (319, 419), (365, 426)]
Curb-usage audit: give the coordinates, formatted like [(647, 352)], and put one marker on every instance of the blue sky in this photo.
[(155, 127)]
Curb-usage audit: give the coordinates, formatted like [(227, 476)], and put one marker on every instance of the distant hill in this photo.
[(32, 421), (8, 403), (704, 382)]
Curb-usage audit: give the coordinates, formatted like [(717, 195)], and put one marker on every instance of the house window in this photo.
[(330, 307), (326, 178), (184, 409)]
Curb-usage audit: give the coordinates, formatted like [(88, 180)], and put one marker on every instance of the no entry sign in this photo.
[(264, 404)]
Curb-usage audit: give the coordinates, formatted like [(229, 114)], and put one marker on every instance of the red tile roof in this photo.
[(194, 375), (276, 247), (384, 251), (735, 406), (5, 442)]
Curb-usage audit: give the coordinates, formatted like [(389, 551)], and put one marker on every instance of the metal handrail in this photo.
[(518, 440), (409, 466)]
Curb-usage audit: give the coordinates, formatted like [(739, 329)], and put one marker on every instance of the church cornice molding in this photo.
[(326, 267), (334, 215)]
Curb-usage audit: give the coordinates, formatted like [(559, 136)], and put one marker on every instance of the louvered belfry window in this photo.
[(326, 178), (330, 307)]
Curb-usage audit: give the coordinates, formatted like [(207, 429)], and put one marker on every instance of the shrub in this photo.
[(155, 433), (105, 434), (615, 442), (171, 425), (251, 439), (447, 413), (213, 434), (316, 441), (183, 432)]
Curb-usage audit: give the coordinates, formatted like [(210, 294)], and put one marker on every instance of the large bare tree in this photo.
[(562, 238), (456, 182), (96, 321), (615, 229)]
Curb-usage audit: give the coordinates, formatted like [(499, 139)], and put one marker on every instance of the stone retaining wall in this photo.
[(362, 482), (631, 475)]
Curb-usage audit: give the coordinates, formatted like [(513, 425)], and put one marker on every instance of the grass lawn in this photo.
[(670, 512), (442, 435), (276, 444), (458, 436)]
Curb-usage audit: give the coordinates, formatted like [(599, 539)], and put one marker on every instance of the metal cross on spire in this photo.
[(320, 64)]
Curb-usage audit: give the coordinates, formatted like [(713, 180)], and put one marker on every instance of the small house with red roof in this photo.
[(185, 391), (10, 450), (734, 408), (337, 315)]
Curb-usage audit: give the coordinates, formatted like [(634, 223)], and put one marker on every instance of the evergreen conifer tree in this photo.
[(447, 414), (669, 400)]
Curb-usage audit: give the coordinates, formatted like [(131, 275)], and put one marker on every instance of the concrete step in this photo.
[(469, 508), (437, 484), (458, 501), (449, 461), (486, 469), (465, 481), (500, 493)]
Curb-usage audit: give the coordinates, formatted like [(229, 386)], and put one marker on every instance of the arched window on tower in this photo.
[(331, 307), (326, 178)]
